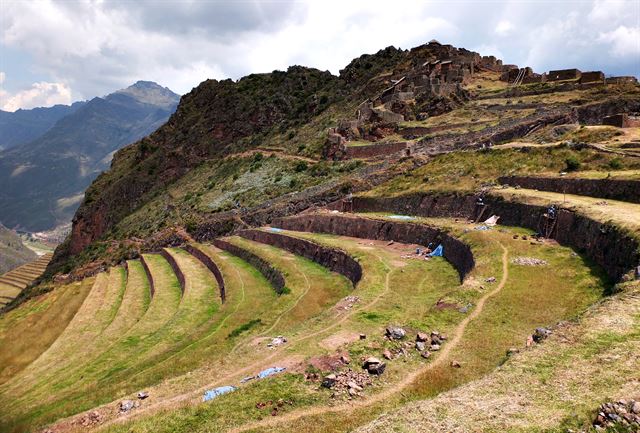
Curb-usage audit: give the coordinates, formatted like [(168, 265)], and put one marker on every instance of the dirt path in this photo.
[(410, 378)]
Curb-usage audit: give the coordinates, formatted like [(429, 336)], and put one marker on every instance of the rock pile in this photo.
[(529, 261), (620, 413), (347, 382)]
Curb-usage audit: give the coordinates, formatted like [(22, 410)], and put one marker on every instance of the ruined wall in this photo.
[(372, 150), (622, 121), (332, 258), (210, 264), (175, 267), (273, 275), (625, 190), (592, 77), (614, 249), (564, 74), (145, 266), (455, 251)]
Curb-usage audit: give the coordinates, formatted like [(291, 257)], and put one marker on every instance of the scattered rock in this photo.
[(142, 395), (277, 341), (622, 412), (422, 336), (127, 405), (540, 334), (529, 261), (395, 333)]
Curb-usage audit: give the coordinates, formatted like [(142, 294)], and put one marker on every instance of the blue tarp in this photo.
[(437, 252), (270, 371), (402, 217), (213, 393)]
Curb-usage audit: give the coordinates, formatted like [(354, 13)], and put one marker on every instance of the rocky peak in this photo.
[(148, 92)]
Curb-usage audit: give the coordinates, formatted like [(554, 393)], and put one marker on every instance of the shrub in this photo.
[(615, 163), (572, 163)]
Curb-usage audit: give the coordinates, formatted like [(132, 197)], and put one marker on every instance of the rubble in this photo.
[(620, 413), (529, 261), (277, 341), (348, 382)]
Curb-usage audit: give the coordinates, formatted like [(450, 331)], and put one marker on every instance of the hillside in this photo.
[(24, 126), (430, 241), (12, 251), (44, 179)]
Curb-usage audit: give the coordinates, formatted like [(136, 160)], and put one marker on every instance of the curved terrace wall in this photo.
[(273, 275), (175, 267), (210, 264), (609, 246), (455, 251), (332, 258), (145, 266), (614, 189)]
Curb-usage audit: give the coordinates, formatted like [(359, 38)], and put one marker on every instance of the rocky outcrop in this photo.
[(176, 269), (614, 189), (331, 258), (611, 247), (210, 264), (273, 275), (456, 252)]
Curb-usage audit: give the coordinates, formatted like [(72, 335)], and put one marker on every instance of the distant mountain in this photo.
[(23, 126), (13, 253), (43, 181)]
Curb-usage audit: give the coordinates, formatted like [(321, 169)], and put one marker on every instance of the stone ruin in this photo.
[(433, 85)]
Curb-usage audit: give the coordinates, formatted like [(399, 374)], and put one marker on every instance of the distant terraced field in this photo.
[(12, 283)]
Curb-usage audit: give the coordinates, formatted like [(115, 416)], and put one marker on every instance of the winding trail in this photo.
[(410, 378)]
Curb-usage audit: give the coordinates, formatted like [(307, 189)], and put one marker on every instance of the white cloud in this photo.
[(504, 27), (40, 94), (625, 41), (98, 46)]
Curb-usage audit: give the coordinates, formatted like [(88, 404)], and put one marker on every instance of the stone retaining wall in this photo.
[(273, 275), (611, 247), (152, 287), (331, 258), (614, 189), (176, 269), (210, 264), (455, 251)]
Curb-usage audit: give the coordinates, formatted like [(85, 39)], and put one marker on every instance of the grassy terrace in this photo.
[(402, 291), (470, 171)]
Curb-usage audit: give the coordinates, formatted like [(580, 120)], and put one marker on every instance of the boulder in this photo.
[(377, 369), (395, 333), (329, 381)]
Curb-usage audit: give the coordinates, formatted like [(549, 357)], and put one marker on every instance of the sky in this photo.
[(57, 52)]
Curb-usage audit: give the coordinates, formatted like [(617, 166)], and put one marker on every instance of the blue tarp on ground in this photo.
[(213, 393), (270, 371), (437, 252), (402, 217)]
